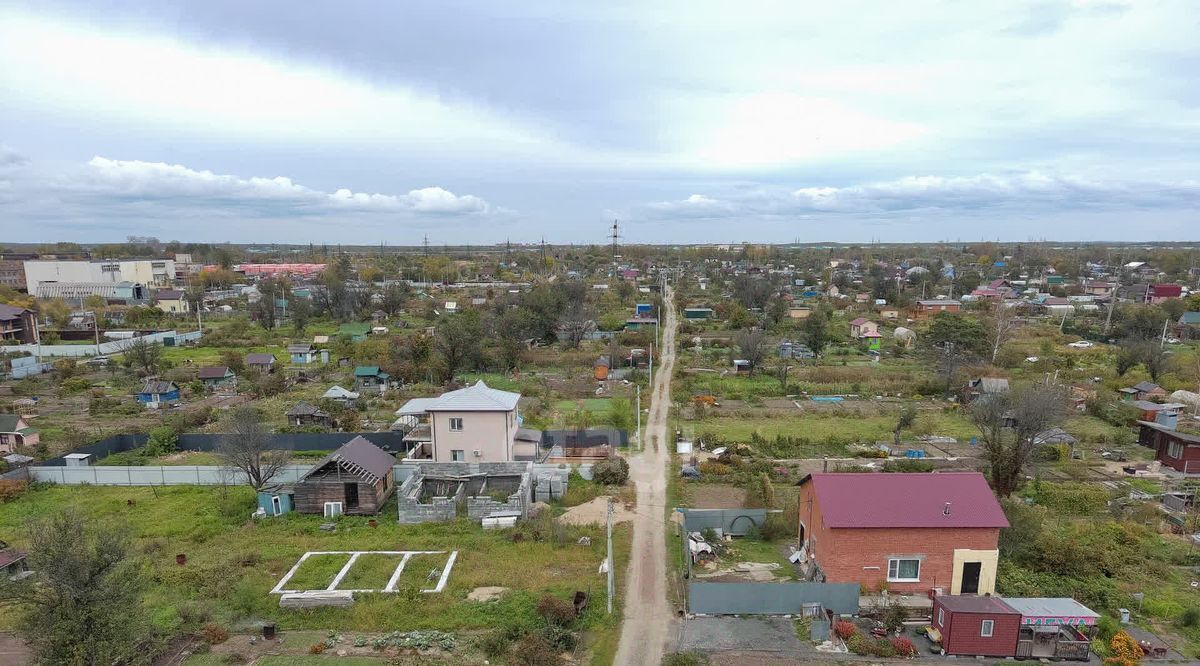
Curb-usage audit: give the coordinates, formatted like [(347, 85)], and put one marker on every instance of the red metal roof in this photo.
[(906, 500), (1166, 290), (972, 604)]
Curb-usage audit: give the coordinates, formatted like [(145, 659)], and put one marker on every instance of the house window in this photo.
[(456, 425), (333, 509), (1175, 450), (458, 455), (986, 627), (941, 617), (902, 570)]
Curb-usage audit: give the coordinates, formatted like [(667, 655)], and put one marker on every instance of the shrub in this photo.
[(715, 468), (11, 489), (858, 644), (844, 630), (556, 611), (684, 659), (1190, 617), (163, 440), (494, 644), (611, 472), (904, 647), (214, 634), (534, 650), (316, 648), (1126, 650)]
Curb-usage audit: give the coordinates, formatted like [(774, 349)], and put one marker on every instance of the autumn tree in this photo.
[(1008, 423)]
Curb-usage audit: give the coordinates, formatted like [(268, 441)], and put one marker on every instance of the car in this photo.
[(1173, 341), (1082, 344)]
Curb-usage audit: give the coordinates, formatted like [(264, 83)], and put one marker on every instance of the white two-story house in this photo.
[(474, 424)]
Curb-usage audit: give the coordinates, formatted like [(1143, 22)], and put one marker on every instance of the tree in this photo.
[(751, 345), (1001, 324), (510, 329), (56, 310), (751, 292), (620, 414), (576, 322), (393, 298), (458, 340), (246, 447), (300, 310), (95, 303), (83, 603), (1154, 358), (965, 332), (908, 414), (1008, 423), (1127, 356), (816, 329), (144, 354)]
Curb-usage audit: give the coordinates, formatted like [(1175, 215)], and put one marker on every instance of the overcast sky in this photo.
[(476, 122)]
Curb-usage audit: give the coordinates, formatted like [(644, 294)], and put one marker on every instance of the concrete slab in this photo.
[(723, 634)]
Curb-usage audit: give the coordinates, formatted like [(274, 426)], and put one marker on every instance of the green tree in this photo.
[(963, 331), (908, 414), (816, 329), (620, 414), (458, 340), (83, 603)]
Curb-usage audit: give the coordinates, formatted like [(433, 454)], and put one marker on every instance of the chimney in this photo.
[(946, 509)]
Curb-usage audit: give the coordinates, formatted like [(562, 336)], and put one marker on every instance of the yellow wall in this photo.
[(987, 572)]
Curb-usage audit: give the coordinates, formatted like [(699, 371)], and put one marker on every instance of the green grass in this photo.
[(234, 563), (371, 572), (316, 572), (822, 426), (756, 550), (594, 405)]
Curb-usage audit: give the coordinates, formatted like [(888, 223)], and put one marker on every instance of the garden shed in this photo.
[(356, 479), (976, 626)]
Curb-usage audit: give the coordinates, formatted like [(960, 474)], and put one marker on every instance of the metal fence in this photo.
[(770, 598), (734, 522), (168, 475), (301, 441), (168, 338)]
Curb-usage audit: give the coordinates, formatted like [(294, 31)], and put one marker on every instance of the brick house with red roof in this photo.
[(909, 532)]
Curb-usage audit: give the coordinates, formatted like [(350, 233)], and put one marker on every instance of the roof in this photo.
[(17, 459), (1049, 607), (1190, 318), (416, 406), (8, 422), (1166, 290), (478, 397), (217, 372), (529, 435), (1171, 432), (1054, 436), (1147, 386), (360, 455), (990, 384), (944, 301), (1127, 389), (299, 348), (320, 339), (339, 392), (858, 500), (303, 408), (260, 359), (158, 386), (168, 295), (9, 557), (859, 322), (971, 604), (9, 312), (366, 371)]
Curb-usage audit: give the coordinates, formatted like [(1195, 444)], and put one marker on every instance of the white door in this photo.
[(276, 506)]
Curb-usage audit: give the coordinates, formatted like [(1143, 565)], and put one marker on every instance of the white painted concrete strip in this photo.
[(288, 576), (391, 584), (445, 573), (337, 580)]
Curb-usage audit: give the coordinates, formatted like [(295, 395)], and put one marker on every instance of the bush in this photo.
[(556, 611), (534, 650), (904, 647), (844, 630), (714, 468), (1126, 650), (494, 644), (611, 472), (214, 634), (163, 440), (1190, 617), (11, 489), (316, 648), (684, 659)]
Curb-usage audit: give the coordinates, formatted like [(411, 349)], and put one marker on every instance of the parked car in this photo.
[(1082, 344)]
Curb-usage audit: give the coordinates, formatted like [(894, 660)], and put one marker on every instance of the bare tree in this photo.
[(576, 322), (1009, 422), (1001, 324), (246, 447), (751, 344), (1154, 358)]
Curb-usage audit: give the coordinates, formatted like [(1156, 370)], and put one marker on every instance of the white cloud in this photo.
[(1025, 192), (158, 181)]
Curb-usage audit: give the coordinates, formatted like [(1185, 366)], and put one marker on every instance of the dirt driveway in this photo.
[(648, 619)]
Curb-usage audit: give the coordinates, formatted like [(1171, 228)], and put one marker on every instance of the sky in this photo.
[(689, 122)]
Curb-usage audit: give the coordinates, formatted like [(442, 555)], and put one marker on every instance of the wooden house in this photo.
[(306, 414), (262, 362), (217, 377), (356, 479), (156, 392), (976, 626)]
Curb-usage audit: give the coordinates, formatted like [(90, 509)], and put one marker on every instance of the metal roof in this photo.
[(362, 457), (158, 386), (478, 397), (1049, 607), (337, 392), (260, 359), (416, 406), (303, 408), (217, 372), (972, 604), (935, 499)]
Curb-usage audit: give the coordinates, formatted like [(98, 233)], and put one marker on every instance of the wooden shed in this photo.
[(976, 626), (356, 479)]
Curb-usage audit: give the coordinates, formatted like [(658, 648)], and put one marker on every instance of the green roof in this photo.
[(366, 371), (8, 422), (355, 329)]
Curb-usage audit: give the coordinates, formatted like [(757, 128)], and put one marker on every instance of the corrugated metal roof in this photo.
[(217, 372), (476, 398), (971, 604), (854, 500), (362, 453), (1049, 607), (158, 387), (260, 359)]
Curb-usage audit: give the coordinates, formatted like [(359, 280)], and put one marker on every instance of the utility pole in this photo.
[(638, 414), (651, 369), (611, 566)]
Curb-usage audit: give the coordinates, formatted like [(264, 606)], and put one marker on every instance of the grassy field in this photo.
[(832, 425), (233, 562)]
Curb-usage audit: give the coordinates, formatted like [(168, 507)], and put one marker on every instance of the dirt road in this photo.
[(648, 619)]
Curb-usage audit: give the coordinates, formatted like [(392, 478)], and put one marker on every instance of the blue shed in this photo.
[(276, 500), (643, 309), (157, 391)]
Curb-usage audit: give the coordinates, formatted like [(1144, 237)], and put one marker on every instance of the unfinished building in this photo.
[(445, 491)]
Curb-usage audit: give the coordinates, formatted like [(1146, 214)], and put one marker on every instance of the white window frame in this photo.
[(456, 420), (987, 628), (1175, 450), (276, 505), (458, 455), (333, 509), (895, 578), (941, 617)]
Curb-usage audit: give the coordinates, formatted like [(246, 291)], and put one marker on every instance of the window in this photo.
[(276, 506), (333, 509), (1175, 450), (456, 425), (904, 570), (985, 628), (941, 617), (458, 455)]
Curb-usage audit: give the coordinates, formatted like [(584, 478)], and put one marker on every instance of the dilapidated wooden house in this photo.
[(356, 479)]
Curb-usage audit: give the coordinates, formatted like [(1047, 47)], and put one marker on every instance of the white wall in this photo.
[(134, 270)]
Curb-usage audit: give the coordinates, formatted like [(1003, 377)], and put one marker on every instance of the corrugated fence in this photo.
[(735, 522), (770, 598)]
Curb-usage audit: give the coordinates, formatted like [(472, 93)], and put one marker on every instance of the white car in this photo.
[(1082, 344)]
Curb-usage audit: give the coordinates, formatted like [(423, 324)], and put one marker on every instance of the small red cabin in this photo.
[(976, 626)]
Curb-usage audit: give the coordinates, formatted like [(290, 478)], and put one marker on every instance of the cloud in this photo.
[(135, 180), (10, 158), (1025, 192)]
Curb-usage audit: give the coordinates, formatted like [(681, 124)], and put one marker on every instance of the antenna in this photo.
[(616, 229)]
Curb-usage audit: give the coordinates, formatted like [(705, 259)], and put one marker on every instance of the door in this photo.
[(276, 506), (351, 490), (970, 577)]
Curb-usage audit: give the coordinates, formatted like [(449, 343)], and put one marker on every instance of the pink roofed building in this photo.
[(908, 533)]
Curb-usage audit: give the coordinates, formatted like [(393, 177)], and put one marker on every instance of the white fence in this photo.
[(104, 348)]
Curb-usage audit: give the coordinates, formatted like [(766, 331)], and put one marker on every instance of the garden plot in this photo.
[(368, 571)]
